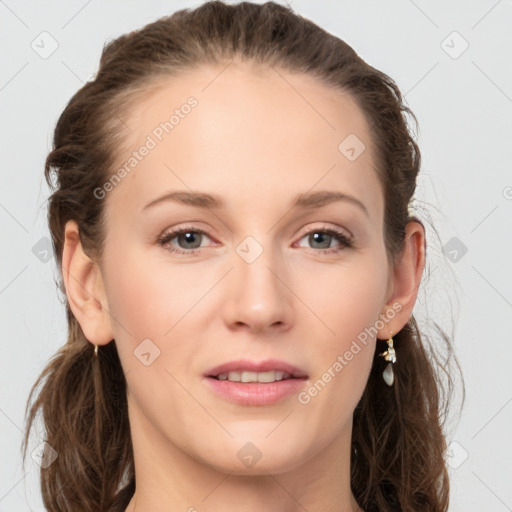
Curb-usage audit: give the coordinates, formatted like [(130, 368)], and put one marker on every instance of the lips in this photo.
[(246, 365), (255, 383)]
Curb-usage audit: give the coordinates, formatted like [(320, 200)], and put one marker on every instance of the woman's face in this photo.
[(257, 279)]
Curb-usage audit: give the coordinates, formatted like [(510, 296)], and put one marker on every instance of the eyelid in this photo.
[(174, 232), (344, 237), (326, 227)]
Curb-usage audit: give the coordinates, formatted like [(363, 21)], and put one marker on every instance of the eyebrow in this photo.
[(209, 201)]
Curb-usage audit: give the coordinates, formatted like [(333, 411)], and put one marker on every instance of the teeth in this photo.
[(270, 376), (248, 377)]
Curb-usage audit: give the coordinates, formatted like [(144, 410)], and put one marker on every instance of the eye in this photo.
[(190, 238), (324, 236)]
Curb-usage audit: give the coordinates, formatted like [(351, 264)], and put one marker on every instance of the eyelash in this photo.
[(341, 237)]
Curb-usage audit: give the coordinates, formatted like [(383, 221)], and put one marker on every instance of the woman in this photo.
[(273, 364)]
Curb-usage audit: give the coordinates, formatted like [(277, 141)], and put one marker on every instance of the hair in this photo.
[(398, 442)]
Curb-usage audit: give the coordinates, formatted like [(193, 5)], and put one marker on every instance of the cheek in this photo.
[(153, 302), (148, 299), (347, 303), (346, 298)]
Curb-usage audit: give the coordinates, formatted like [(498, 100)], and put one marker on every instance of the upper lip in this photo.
[(246, 365)]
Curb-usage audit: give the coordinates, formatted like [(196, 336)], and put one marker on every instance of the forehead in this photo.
[(251, 130)]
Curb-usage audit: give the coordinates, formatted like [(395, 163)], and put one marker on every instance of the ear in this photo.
[(84, 288), (405, 279)]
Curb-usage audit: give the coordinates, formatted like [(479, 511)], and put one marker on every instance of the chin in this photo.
[(256, 455)]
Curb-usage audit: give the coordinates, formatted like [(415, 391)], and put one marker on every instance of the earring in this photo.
[(390, 356), (95, 350)]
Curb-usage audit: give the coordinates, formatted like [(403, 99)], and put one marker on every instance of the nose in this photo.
[(259, 297)]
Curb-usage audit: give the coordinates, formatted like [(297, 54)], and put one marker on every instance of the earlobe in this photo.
[(406, 279), (84, 288)]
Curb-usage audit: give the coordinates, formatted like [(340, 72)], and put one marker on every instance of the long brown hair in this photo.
[(397, 459)]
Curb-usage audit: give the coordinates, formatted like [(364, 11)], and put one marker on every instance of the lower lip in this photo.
[(255, 393)]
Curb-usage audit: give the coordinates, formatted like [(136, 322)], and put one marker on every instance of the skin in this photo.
[(257, 138)]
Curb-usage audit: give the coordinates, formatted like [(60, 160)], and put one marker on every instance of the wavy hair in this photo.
[(398, 442)]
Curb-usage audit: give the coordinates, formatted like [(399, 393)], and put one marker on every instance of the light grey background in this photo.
[(463, 101)]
